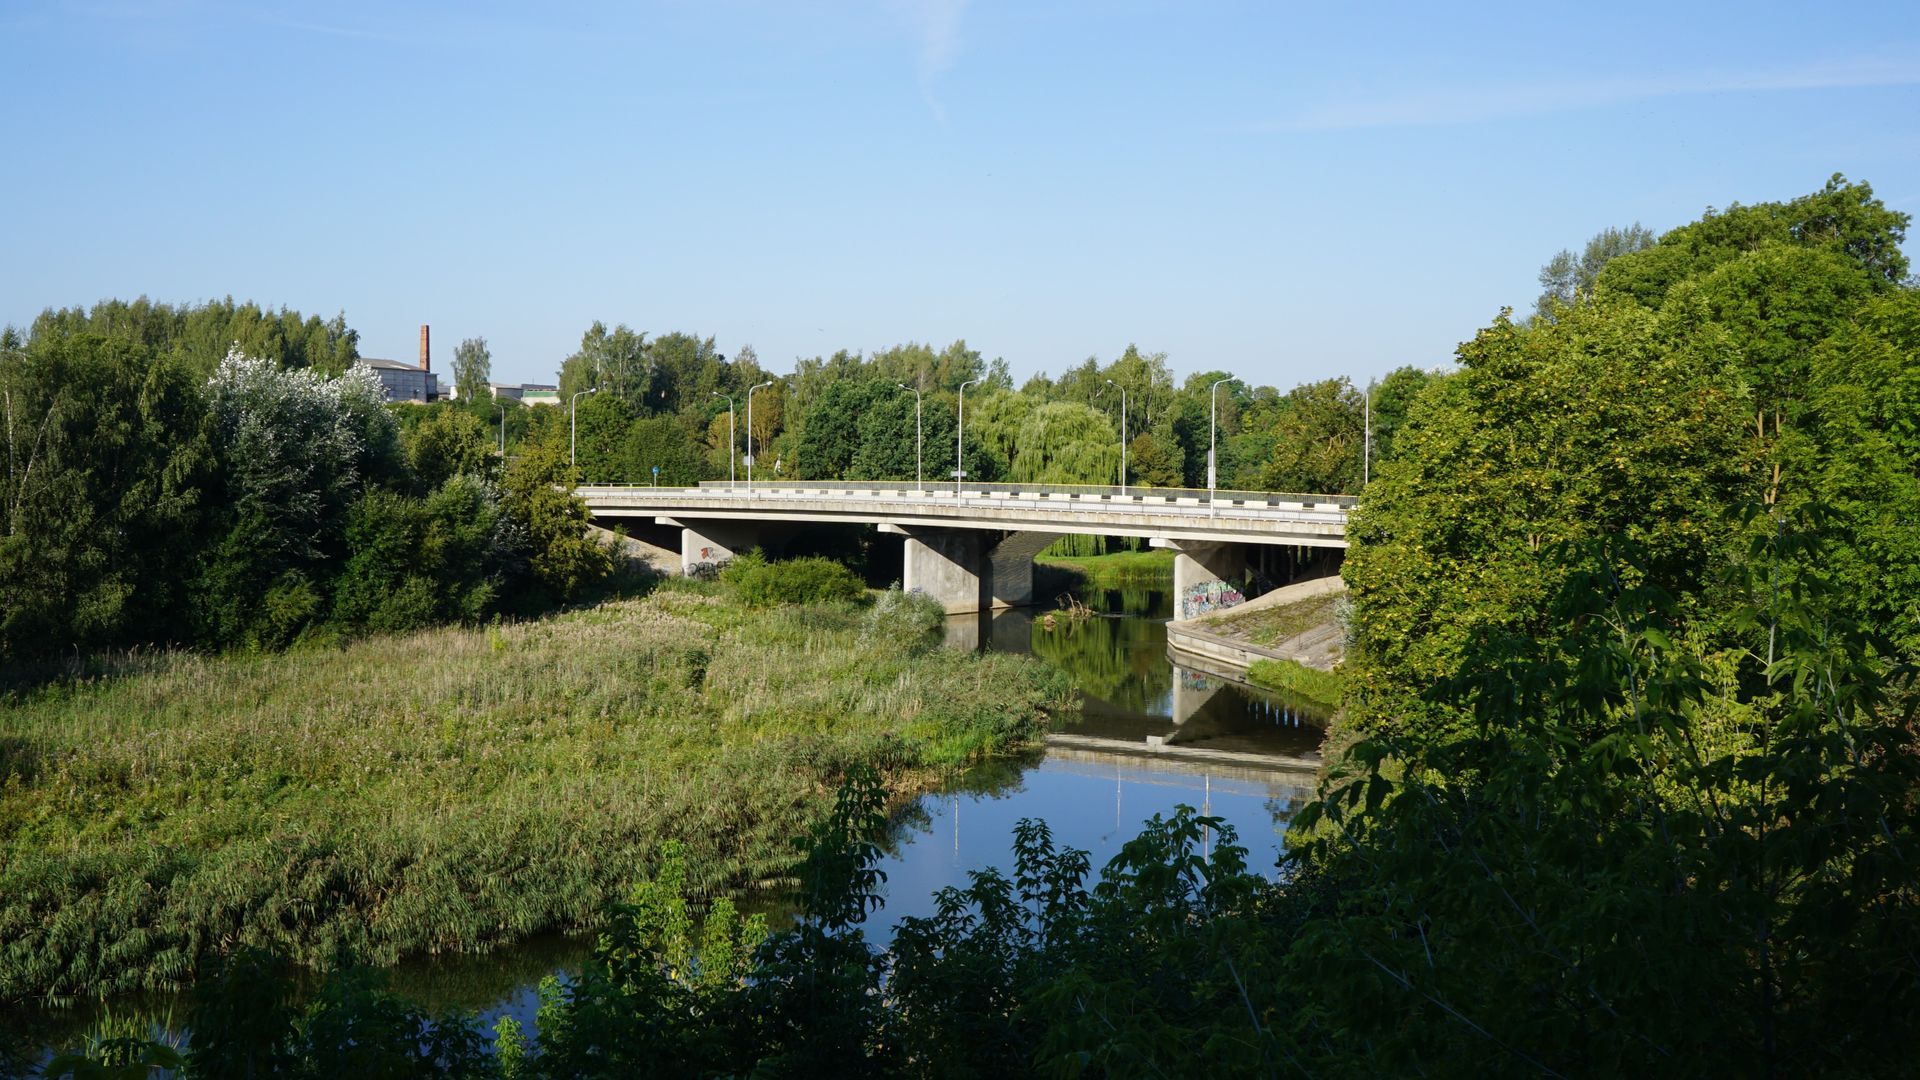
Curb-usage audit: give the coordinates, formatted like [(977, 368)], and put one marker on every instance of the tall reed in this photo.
[(454, 789)]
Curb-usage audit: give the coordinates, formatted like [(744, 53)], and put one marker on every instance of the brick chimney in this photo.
[(426, 357)]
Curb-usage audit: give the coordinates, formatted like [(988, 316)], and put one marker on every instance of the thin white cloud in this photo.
[(324, 28), (938, 24), (1441, 106)]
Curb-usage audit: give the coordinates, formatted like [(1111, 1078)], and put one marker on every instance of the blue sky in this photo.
[(1286, 191)]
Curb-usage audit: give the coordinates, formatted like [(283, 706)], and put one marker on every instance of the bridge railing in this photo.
[(1111, 496)]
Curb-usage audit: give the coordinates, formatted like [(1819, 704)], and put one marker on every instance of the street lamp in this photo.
[(750, 390), (960, 439), (1366, 426), (573, 430), (730, 438), (1213, 423), (503, 428), (1123, 436), (917, 438)]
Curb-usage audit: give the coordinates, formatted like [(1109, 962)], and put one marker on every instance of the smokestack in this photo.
[(426, 362)]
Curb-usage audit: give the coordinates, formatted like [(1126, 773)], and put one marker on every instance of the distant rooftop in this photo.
[(389, 365)]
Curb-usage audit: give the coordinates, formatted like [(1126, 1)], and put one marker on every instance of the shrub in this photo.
[(903, 616), (809, 580)]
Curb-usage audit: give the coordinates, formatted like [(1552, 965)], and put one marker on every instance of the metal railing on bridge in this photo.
[(1079, 493)]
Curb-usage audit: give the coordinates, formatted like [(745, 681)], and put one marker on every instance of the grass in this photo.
[(456, 789), (1320, 687), (1270, 626), (1151, 567)]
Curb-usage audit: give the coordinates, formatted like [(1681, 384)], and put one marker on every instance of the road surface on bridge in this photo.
[(1166, 514)]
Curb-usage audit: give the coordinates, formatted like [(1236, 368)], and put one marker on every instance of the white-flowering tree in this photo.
[(298, 447)]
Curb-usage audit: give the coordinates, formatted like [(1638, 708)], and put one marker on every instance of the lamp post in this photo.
[(1213, 424), (750, 390), (960, 439), (503, 428), (918, 439), (1123, 436), (730, 438), (1366, 445), (573, 429)]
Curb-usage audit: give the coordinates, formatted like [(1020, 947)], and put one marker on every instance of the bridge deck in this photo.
[(1155, 513)]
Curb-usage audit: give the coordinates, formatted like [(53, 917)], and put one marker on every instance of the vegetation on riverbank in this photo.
[(1272, 625), (1320, 687), (458, 788), (1120, 569)]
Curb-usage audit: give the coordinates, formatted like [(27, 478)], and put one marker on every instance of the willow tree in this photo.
[(1067, 443)]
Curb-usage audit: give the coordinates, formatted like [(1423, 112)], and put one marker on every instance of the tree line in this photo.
[(165, 486), (892, 415)]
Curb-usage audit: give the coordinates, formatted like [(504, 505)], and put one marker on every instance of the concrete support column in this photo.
[(1207, 576), (946, 565), (711, 543)]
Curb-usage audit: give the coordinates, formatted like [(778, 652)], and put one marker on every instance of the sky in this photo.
[(1286, 191)]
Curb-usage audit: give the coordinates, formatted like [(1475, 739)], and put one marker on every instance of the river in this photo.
[(1225, 748)]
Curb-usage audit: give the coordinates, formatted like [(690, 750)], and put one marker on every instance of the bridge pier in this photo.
[(712, 543), (1207, 575), (946, 564), (967, 570)]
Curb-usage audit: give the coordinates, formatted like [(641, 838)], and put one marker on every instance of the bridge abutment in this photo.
[(1207, 576)]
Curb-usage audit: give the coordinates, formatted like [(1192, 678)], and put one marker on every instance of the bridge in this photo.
[(972, 548)]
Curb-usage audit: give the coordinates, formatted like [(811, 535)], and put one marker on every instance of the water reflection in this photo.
[(1132, 691), (1150, 735)]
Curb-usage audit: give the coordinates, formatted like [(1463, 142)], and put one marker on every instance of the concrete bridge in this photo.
[(972, 549)]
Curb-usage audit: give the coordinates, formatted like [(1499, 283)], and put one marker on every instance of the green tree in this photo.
[(614, 361), (830, 433), (562, 557), (473, 370), (1611, 421), (1064, 443), (1392, 398), (105, 495), (661, 442), (1842, 217), (1152, 463), (1568, 275), (447, 443), (1317, 434)]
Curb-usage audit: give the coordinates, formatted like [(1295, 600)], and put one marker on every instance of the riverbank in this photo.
[(458, 789), (1152, 568)]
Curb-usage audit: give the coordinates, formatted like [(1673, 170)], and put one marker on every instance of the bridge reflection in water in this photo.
[(1151, 735), (1136, 699)]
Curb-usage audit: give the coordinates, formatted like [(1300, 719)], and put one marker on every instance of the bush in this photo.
[(809, 580), (903, 616)]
